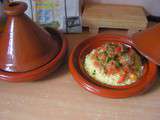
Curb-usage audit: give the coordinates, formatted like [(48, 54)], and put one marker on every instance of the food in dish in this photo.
[(114, 64)]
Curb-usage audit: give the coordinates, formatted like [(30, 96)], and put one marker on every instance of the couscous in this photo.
[(114, 64)]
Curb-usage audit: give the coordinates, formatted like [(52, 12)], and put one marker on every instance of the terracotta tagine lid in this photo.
[(148, 43), (24, 46)]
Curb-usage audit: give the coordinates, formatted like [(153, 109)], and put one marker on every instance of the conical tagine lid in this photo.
[(24, 46), (148, 43)]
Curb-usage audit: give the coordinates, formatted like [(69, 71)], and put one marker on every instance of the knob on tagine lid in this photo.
[(24, 46), (147, 43)]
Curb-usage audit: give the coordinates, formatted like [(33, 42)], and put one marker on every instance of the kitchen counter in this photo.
[(59, 97)]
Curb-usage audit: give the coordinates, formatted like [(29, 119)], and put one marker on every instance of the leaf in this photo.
[(109, 59), (118, 64), (94, 72)]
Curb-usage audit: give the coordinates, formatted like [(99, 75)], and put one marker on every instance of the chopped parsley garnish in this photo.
[(98, 59), (109, 59), (94, 72), (101, 52), (118, 64), (122, 53), (126, 57), (106, 52)]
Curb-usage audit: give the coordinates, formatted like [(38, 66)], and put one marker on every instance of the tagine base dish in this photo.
[(77, 70), (44, 70)]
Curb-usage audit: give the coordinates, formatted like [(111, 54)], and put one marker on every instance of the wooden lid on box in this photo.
[(147, 43)]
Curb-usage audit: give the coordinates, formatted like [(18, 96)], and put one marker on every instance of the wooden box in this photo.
[(97, 16)]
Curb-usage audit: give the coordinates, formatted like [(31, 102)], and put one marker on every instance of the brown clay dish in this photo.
[(76, 68), (44, 70), (27, 51), (24, 45)]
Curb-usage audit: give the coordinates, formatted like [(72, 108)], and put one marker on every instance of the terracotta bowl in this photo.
[(44, 70), (76, 60)]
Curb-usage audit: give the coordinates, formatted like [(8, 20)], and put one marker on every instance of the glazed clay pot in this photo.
[(146, 42), (24, 46), (44, 70), (28, 52), (77, 70)]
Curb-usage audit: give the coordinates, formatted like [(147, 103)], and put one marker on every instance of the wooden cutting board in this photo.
[(97, 16)]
